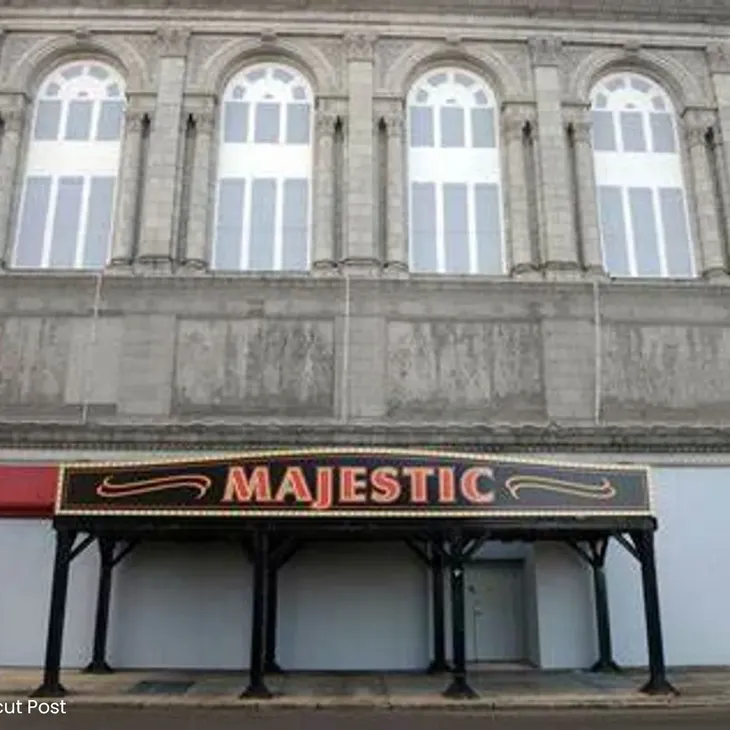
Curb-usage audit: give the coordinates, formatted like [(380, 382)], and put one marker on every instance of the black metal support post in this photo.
[(51, 686), (438, 663), (658, 683), (459, 687), (256, 686), (272, 605), (98, 663), (606, 662)]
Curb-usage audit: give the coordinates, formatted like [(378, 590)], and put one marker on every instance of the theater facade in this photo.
[(364, 339)]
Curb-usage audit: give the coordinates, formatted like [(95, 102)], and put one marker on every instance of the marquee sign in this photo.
[(353, 483)]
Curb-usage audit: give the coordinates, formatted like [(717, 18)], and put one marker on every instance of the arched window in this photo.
[(264, 171), (67, 203), (455, 219), (638, 167)]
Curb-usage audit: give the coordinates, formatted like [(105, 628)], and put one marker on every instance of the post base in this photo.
[(50, 689), (606, 665), (659, 686), (256, 692), (438, 667), (459, 689), (271, 667), (98, 668)]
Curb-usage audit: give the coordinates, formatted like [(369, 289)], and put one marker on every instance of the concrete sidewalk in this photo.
[(525, 689)]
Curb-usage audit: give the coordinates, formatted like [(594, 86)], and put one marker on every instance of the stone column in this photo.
[(125, 228), (158, 212), (697, 124), (323, 244), (586, 193), (14, 124), (718, 55), (520, 258), (360, 253), (560, 253), (396, 243), (198, 249)]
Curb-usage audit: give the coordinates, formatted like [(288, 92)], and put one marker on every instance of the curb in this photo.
[(309, 703)]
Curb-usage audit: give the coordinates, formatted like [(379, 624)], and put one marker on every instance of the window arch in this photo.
[(639, 180), (455, 221), (67, 203), (264, 171)]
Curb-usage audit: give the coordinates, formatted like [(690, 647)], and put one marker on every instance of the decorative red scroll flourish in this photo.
[(604, 490), (159, 484)]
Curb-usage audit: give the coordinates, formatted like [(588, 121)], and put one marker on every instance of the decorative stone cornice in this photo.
[(718, 57), (247, 434), (173, 41), (545, 50), (360, 46)]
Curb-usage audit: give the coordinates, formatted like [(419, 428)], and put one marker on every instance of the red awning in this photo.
[(27, 490)]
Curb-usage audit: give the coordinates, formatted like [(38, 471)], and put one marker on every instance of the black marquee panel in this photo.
[(354, 483)]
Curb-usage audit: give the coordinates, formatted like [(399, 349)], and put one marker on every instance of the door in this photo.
[(495, 618)]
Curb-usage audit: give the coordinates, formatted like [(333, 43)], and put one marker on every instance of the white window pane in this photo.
[(64, 238), (294, 228), (423, 227), (452, 127), (297, 123), (110, 121), (604, 136), (78, 121), (99, 222), (47, 120), (613, 230), (456, 228), (489, 229), (421, 121), (676, 236), (229, 224), (662, 132), (267, 123), (643, 224), (235, 121), (482, 128), (32, 224), (632, 132), (263, 225)]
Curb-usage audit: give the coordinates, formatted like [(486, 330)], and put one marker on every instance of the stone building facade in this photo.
[(552, 352)]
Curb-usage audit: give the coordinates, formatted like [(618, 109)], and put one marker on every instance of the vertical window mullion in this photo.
[(471, 223), (246, 226), (48, 232), (83, 222), (440, 232), (629, 231)]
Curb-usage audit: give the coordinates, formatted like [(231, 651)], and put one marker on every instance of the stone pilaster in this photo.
[(198, 249), (125, 212), (360, 247), (558, 230), (158, 212), (586, 193), (515, 117), (14, 119), (323, 244), (697, 124), (396, 242)]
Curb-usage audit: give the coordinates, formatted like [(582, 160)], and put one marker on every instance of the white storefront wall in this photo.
[(367, 606)]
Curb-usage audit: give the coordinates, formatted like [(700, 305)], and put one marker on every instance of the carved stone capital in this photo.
[(134, 120), (82, 34), (360, 46), (268, 37), (325, 122), (718, 57), (13, 120), (545, 50), (697, 124), (515, 118), (395, 123), (173, 42), (204, 122), (582, 129)]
